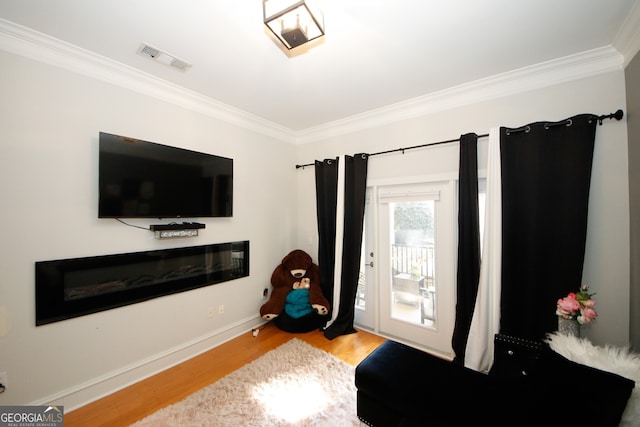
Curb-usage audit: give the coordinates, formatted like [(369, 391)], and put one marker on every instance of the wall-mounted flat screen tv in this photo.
[(141, 179)]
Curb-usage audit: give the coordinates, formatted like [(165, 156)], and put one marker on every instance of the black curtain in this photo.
[(326, 202), (355, 186), (468, 272), (546, 173)]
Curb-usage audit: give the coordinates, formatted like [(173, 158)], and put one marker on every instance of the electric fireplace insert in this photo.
[(75, 287)]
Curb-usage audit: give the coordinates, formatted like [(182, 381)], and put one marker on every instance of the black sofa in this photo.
[(529, 385)]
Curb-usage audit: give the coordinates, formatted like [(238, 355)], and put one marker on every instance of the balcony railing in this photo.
[(415, 260)]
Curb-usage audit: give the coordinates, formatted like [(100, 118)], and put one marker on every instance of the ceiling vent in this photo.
[(163, 57)]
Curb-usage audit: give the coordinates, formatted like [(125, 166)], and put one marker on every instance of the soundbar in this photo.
[(183, 226)]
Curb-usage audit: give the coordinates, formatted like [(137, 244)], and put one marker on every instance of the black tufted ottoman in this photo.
[(401, 386)]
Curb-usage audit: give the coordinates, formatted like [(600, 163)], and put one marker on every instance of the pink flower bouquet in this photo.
[(578, 306)]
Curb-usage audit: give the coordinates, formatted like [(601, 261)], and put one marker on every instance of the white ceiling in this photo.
[(375, 53)]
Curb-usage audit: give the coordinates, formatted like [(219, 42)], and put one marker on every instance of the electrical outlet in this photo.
[(3, 379), (221, 309), (210, 312)]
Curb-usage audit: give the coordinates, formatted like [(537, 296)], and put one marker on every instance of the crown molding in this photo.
[(569, 68), (34, 45), (627, 41)]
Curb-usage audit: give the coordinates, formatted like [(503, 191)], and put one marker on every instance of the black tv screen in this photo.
[(141, 179)]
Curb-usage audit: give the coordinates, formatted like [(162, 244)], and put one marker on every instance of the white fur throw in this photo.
[(618, 360)]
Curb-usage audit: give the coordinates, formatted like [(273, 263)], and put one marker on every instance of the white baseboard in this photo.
[(83, 394)]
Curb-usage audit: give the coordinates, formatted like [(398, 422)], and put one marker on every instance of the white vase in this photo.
[(568, 326)]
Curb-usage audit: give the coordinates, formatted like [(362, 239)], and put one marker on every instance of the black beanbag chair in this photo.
[(305, 323)]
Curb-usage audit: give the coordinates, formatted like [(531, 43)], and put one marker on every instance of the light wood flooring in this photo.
[(139, 400)]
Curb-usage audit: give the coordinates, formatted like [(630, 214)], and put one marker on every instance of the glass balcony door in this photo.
[(416, 270)]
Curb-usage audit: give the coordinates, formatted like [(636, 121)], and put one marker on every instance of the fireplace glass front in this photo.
[(75, 287)]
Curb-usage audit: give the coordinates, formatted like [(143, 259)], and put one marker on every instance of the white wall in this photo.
[(632, 75), (607, 255), (49, 124)]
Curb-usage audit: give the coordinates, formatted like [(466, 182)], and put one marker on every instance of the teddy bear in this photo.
[(296, 271)]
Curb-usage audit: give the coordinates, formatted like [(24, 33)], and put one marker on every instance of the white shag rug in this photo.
[(294, 384), (618, 360)]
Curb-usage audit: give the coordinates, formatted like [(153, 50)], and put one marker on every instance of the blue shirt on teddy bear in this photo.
[(297, 303)]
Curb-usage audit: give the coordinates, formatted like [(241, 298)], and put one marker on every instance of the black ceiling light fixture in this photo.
[(294, 23)]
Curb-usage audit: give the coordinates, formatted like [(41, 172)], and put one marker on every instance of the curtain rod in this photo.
[(617, 115)]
